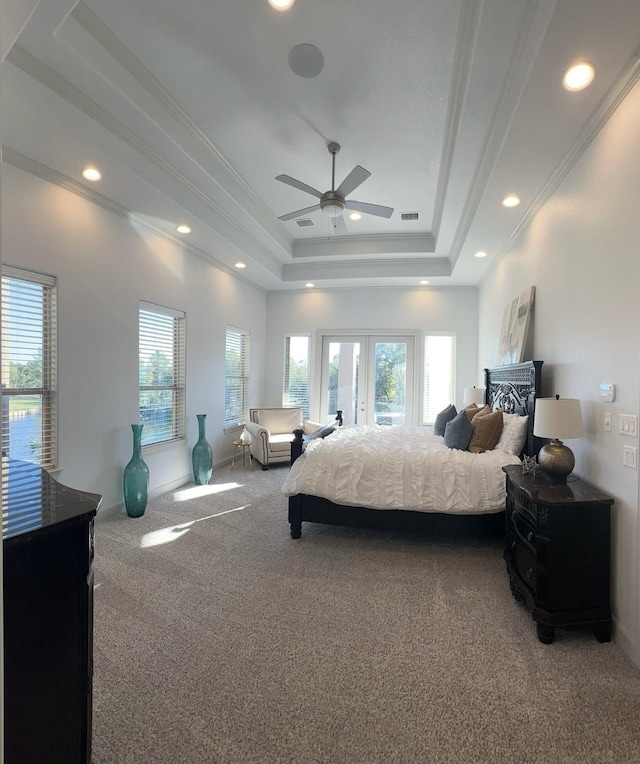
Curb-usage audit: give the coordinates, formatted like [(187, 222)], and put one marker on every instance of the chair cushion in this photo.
[(280, 442), (280, 420)]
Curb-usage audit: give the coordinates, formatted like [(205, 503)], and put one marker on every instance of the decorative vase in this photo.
[(136, 478), (202, 455)]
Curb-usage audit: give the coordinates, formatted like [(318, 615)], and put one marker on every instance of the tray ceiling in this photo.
[(192, 109)]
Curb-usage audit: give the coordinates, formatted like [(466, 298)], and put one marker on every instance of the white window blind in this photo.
[(29, 366), (236, 389), (296, 372), (439, 374), (161, 373)]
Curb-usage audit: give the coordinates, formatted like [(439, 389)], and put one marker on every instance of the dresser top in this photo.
[(32, 500), (544, 491)]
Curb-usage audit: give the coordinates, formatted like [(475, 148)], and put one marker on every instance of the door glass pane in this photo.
[(390, 382), (343, 368)]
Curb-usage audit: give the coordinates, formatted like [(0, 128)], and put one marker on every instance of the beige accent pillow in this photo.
[(471, 410), (486, 432)]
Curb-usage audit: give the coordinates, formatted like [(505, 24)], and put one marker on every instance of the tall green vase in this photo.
[(202, 455), (136, 478)]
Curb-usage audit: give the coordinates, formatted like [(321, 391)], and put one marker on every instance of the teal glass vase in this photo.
[(202, 455), (136, 478)]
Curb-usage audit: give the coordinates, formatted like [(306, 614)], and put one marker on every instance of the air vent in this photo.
[(409, 215), (305, 223)]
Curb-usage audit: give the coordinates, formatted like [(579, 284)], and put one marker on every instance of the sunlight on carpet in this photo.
[(174, 532), (198, 491)]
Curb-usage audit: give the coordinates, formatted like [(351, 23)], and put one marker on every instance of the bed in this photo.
[(312, 492)]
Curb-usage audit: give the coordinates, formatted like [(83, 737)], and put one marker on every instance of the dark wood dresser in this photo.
[(48, 617), (558, 552)]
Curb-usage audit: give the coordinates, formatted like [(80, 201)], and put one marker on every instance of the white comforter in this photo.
[(399, 468)]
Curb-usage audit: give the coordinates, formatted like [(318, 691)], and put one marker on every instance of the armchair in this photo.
[(271, 431)]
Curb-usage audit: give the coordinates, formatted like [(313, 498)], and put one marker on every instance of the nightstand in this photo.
[(557, 552)]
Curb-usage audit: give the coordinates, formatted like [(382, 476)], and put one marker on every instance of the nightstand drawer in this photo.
[(524, 561)]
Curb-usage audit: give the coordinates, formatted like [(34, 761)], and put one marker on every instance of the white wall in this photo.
[(105, 265), (421, 309), (582, 253)]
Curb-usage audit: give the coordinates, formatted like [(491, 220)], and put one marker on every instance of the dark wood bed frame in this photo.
[(513, 389)]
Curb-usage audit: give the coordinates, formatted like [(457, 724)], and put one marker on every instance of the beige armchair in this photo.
[(271, 431)]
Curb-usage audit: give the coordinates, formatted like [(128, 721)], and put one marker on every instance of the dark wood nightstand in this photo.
[(558, 553)]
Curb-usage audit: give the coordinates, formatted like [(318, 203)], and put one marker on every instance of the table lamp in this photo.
[(557, 418), (473, 395)]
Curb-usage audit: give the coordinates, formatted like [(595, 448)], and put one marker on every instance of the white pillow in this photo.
[(514, 434)]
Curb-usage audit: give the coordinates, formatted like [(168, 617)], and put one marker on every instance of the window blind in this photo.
[(439, 374), (237, 365), (296, 372), (29, 366), (161, 373)]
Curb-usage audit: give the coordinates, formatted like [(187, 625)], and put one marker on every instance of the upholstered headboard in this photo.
[(514, 389)]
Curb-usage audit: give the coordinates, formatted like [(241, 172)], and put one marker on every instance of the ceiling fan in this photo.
[(333, 202)]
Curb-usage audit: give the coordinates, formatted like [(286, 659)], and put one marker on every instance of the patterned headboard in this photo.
[(514, 389)]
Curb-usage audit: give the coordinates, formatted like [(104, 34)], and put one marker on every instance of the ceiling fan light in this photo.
[(332, 208)]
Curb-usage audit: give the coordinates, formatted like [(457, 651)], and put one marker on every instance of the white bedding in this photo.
[(399, 468)]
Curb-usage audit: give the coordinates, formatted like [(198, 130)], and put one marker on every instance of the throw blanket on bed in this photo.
[(399, 468)]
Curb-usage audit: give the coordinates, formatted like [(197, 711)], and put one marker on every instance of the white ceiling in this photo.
[(190, 109)]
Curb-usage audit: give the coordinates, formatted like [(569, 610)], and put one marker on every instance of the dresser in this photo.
[(558, 552), (48, 617)]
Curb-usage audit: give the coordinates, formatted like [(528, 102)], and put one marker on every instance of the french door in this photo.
[(369, 378)]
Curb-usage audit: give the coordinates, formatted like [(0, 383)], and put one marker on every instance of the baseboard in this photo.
[(626, 642), (118, 508)]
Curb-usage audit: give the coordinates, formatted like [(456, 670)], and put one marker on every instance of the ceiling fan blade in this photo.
[(299, 185), (337, 225), (357, 176), (299, 213), (370, 209)]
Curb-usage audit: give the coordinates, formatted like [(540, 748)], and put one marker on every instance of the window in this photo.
[(236, 387), (439, 374), (161, 373), (29, 366), (296, 372)]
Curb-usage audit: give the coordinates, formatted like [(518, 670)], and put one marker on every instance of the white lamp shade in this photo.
[(558, 418), (473, 395)]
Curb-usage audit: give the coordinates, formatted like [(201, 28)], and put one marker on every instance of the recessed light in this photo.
[(578, 76), (355, 216), (281, 5), (92, 174), (183, 229), (480, 254), (424, 282), (309, 284), (240, 265), (511, 201)]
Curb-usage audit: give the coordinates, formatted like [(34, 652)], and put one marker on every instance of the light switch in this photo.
[(607, 421), (628, 425), (630, 457)]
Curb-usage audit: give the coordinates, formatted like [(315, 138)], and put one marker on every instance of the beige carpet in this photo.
[(218, 638)]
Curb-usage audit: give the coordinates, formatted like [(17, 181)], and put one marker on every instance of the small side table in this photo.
[(244, 447)]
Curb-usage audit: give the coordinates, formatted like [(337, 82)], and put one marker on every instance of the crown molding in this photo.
[(39, 170), (358, 269), (39, 71), (375, 244), (532, 28)]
